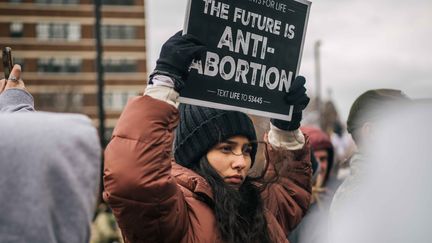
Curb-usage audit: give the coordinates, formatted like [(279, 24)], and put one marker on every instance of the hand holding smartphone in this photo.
[(12, 72)]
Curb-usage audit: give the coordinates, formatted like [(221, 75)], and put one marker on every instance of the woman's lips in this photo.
[(234, 179)]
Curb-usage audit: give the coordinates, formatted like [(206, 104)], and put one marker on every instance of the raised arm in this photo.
[(289, 197), (289, 157), (146, 200), (139, 188)]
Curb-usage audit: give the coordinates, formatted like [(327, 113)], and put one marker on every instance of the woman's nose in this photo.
[(239, 162)]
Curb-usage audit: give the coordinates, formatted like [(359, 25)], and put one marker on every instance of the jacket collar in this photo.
[(191, 180)]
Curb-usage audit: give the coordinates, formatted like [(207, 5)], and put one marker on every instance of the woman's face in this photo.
[(322, 156), (231, 159)]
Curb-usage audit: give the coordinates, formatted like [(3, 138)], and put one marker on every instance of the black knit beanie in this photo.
[(201, 128)]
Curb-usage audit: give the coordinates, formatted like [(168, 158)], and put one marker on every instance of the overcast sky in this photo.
[(365, 45)]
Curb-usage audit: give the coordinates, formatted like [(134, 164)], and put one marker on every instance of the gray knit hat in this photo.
[(201, 128)]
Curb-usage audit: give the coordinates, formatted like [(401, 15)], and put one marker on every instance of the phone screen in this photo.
[(7, 61)]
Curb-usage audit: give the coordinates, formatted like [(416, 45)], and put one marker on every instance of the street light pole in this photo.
[(99, 71), (318, 78), (100, 85)]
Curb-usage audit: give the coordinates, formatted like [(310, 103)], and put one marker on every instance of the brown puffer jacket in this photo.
[(156, 200)]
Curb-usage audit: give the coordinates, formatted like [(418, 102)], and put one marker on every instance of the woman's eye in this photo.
[(226, 149), (247, 149)]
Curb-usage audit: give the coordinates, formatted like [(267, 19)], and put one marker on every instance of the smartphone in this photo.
[(7, 61)]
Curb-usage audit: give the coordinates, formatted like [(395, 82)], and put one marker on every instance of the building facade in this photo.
[(54, 41)]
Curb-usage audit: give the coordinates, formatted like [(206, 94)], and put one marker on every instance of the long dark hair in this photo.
[(239, 213)]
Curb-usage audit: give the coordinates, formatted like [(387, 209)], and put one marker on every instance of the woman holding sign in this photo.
[(200, 183)]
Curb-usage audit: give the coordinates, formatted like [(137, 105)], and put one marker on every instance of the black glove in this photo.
[(176, 56), (297, 97)]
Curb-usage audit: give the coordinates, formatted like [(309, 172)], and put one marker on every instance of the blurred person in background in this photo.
[(365, 111), (392, 197), (49, 170), (323, 152), (344, 148), (313, 228), (194, 185)]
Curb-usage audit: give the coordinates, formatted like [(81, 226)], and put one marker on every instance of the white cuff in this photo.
[(290, 140), (162, 80), (163, 93)]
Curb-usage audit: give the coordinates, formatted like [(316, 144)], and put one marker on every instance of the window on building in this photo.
[(16, 29), (45, 101), (74, 32), (71, 101), (120, 66), (56, 1), (59, 65), (118, 2), (118, 32), (116, 100), (59, 31), (43, 32)]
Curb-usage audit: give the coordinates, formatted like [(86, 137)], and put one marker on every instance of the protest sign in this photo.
[(253, 54)]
